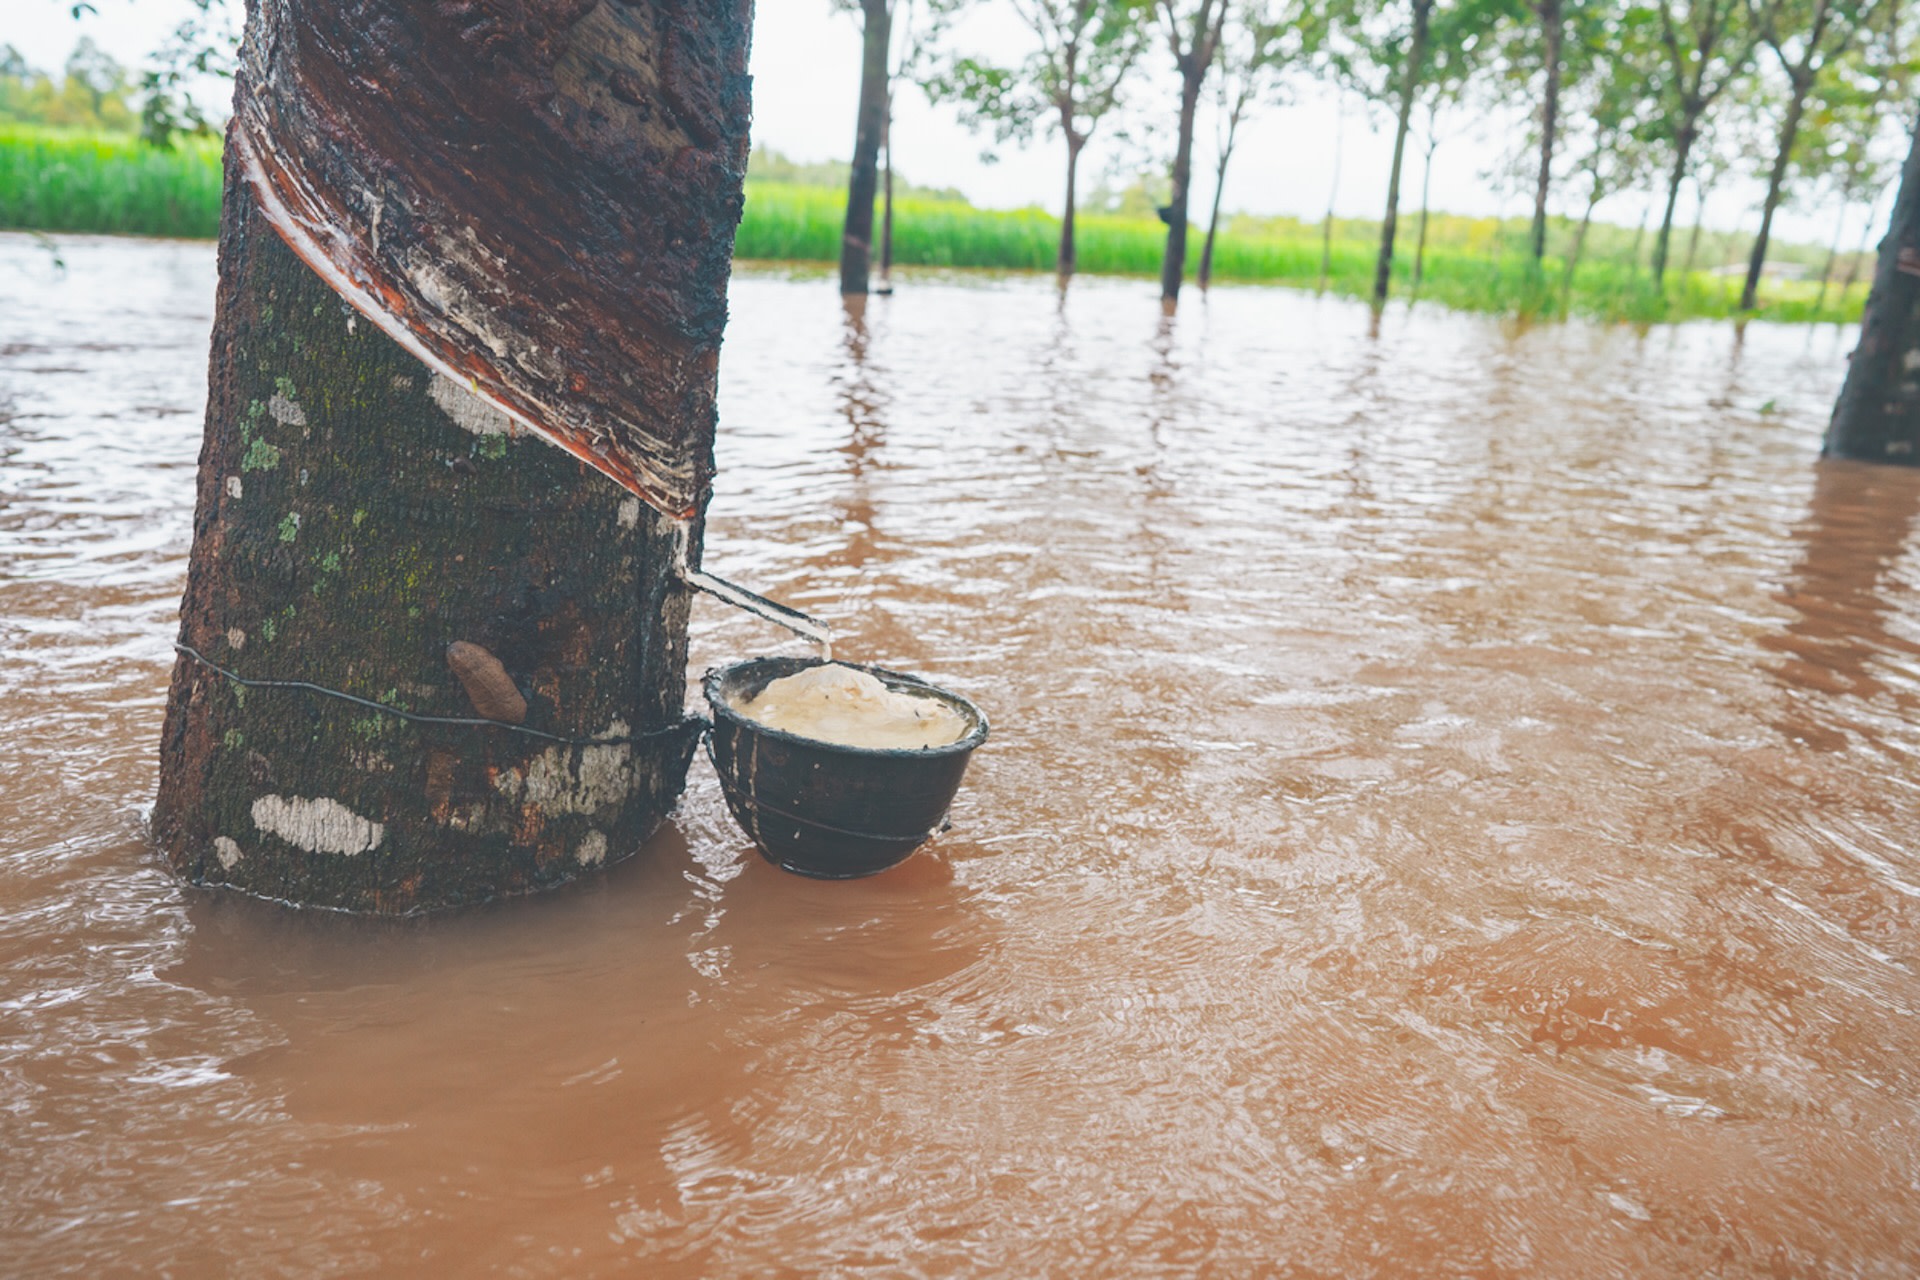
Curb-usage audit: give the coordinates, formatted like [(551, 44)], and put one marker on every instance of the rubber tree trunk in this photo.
[(1877, 416), (357, 516), (1682, 152), (1552, 28), (1173, 265), (1776, 183), (856, 240), (1410, 80)]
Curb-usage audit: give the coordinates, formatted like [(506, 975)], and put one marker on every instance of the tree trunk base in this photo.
[(1877, 416), (356, 515)]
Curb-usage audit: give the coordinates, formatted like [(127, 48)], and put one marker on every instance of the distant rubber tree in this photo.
[(1192, 29), (1842, 137), (1705, 46), (1877, 416), (1262, 41), (1388, 51), (1848, 129), (1552, 15), (1412, 66), (895, 76), (1806, 37), (870, 128), (1610, 101), (1458, 52), (1085, 52), (1555, 43), (1719, 153)]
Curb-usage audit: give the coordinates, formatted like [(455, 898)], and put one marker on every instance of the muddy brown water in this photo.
[(1451, 811)]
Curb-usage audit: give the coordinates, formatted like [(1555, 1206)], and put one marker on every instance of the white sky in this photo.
[(806, 81)]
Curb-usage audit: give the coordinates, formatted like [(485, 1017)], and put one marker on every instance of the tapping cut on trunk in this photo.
[(520, 195)]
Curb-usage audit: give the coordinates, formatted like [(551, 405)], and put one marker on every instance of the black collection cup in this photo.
[(825, 810)]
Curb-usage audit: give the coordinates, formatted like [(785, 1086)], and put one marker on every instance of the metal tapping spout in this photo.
[(740, 598)]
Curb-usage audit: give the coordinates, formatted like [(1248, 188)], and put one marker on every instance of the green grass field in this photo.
[(1471, 264), (62, 181)]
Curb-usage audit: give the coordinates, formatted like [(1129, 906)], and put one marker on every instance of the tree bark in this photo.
[(1877, 416), (856, 239), (1416, 56), (358, 514), (1552, 29), (1776, 181), (1173, 265)]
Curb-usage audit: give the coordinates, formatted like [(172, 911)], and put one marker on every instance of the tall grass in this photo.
[(63, 181), (1469, 264), (52, 180)]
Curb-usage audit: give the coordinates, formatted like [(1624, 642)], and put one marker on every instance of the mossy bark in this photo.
[(357, 514)]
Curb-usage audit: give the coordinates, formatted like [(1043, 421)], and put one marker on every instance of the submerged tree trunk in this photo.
[(1416, 56), (378, 554), (1877, 416), (856, 239), (1552, 29)]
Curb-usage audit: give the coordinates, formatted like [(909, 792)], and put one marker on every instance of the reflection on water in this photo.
[(1451, 812), (1845, 640)]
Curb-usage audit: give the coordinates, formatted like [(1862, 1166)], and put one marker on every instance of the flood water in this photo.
[(1450, 811)]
